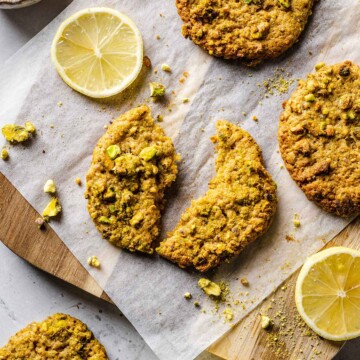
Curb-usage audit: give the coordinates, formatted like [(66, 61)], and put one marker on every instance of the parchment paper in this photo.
[(149, 290)]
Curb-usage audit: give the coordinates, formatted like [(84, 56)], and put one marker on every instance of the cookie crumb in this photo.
[(94, 261), (244, 281), (187, 296)]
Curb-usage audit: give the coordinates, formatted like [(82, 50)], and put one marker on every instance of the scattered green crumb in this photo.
[(113, 151), (93, 261), (209, 287), (185, 100), (157, 90), (60, 104), (148, 153), (265, 322), (280, 82), (51, 126), (244, 281), (319, 65), (187, 296), (310, 97), (166, 68), (160, 118), (196, 304), (255, 118), (228, 314), (296, 220), (4, 154), (52, 209), (50, 187), (30, 127)]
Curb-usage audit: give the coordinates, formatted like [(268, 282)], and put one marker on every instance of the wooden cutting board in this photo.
[(288, 339)]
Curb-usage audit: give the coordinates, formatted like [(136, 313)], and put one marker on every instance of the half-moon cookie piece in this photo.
[(250, 30), (237, 208), (59, 336), (132, 165), (319, 137)]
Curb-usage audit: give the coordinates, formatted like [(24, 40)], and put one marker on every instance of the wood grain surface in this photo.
[(289, 338)]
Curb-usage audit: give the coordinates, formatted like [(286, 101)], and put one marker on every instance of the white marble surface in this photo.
[(27, 294)]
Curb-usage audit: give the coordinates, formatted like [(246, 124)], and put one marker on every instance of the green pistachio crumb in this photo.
[(351, 115), (319, 65), (310, 97), (166, 68), (52, 209), (285, 3), (104, 220), (30, 127), (325, 111), (228, 314), (185, 100), (196, 304), (113, 151), (15, 133), (187, 296), (265, 322), (157, 89), (94, 261), (148, 153), (209, 287)]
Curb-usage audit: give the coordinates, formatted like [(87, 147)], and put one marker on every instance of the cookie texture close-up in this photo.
[(319, 137), (237, 208), (59, 336), (250, 30), (132, 165)]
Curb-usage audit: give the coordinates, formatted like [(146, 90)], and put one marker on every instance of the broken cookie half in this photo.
[(132, 165), (237, 208)]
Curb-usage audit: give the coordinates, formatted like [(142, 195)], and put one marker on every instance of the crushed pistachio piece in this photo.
[(187, 296), (52, 209), (15, 133), (196, 304), (244, 281), (78, 181), (351, 114), (40, 222), (157, 90), (319, 65), (310, 97), (59, 104), (265, 322), (248, 1), (228, 314), (209, 287), (185, 100), (93, 261), (30, 127), (113, 151), (285, 3), (166, 68), (50, 187), (104, 220), (4, 154), (160, 118), (148, 153)]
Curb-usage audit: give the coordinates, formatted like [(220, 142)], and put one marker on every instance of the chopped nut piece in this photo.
[(30, 127), (157, 89), (187, 296), (40, 222), (265, 322), (210, 288), (310, 97), (104, 220), (160, 118), (228, 314), (52, 209), (4, 154), (147, 62), (93, 261), (255, 118), (78, 181), (296, 220), (285, 3), (185, 100), (50, 187), (196, 304), (60, 104), (113, 151), (15, 133), (244, 281), (166, 68), (148, 153)]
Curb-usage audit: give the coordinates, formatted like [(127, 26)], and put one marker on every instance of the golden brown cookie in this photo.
[(319, 137), (132, 165), (59, 336), (250, 30), (237, 209)]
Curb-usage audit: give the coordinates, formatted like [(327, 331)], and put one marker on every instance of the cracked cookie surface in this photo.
[(237, 208), (250, 30), (132, 165), (319, 137), (59, 336)]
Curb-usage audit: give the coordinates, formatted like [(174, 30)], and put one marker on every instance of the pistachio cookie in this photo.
[(319, 137), (60, 336), (237, 208), (250, 30), (132, 165)]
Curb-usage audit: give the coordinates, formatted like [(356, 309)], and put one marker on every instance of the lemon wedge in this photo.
[(327, 293), (98, 52)]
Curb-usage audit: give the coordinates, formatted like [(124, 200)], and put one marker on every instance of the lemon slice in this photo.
[(98, 52), (327, 293)]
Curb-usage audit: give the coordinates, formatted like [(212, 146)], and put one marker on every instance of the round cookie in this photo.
[(319, 137), (250, 30), (60, 336)]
